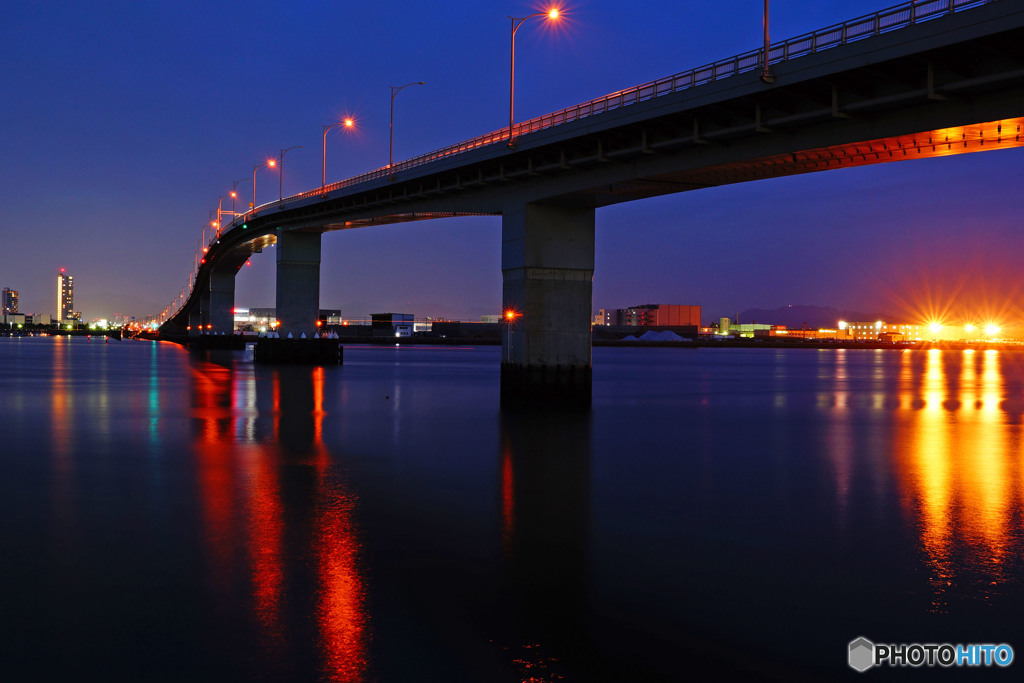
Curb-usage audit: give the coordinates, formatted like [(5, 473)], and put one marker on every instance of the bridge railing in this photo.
[(883, 21)]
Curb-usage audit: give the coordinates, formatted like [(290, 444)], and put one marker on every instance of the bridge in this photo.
[(922, 79)]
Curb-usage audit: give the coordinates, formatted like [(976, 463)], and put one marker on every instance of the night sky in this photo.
[(123, 122)]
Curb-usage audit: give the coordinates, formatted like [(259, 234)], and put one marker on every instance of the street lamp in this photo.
[(391, 126), (280, 172), (552, 14), (348, 122), (766, 74), (234, 194), (268, 163)]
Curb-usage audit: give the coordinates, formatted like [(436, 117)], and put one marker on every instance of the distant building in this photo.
[(391, 324), (822, 333), (263, 319), (651, 315), (883, 331), (66, 296), (10, 301)]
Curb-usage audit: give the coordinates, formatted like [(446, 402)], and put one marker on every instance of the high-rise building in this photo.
[(65, 296), (10, 301)]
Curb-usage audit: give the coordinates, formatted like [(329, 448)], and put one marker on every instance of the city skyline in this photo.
[(130, 122)]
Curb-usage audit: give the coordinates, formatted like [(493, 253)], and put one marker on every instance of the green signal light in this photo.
[(245, 226)]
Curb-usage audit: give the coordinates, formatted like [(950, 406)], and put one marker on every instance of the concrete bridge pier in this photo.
[(298, 283), (222, 302), (547, 265)]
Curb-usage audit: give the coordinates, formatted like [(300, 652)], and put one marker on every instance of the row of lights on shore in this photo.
[(989, 329)]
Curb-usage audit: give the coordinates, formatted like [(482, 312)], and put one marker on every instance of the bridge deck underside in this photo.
[(1003, 134)]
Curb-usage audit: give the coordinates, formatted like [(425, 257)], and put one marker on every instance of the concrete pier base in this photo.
[(547, 270)]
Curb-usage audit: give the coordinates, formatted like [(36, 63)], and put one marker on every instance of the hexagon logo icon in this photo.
[(862, 654)]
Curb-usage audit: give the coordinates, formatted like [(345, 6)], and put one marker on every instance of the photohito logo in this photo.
[(863, 654)]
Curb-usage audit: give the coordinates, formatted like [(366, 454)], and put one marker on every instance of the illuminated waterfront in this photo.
[(174, 516)]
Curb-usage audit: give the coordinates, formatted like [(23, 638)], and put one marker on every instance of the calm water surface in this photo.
[(167, 516)]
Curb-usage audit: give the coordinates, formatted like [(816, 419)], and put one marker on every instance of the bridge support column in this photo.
[(298, 282), (547, 265), (222, 302)]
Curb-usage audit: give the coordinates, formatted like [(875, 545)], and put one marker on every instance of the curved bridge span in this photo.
[(922, 79)]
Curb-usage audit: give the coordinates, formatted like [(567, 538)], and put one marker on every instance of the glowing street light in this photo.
[(552, 14), (234, 194), (269, 163), (280, 172), (391, 127), (348, 122), (992, 330)]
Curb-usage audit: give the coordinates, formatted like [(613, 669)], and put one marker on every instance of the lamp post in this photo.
[(223, 212), (391, 126), (766, 74), (234, 194), (348, 123), (552, 14), (270, 163), (280, 171)]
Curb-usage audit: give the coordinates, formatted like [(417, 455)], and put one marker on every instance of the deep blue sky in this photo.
[(123, 122)]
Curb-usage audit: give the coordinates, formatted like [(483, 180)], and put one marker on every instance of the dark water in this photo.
[(719, 512)]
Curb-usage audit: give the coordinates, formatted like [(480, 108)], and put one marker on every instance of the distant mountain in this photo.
[(796, 317)]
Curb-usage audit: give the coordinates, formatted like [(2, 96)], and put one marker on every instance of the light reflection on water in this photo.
[(959, 470), (208, 518), (247, 420)]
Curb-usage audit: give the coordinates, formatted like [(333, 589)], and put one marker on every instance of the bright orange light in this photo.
[(553, 13), (935, 328), (969, 327), (319, 323), (511, 314), (349, 122), (233, 194), (991, 330), (206, 249), (271, 163)]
